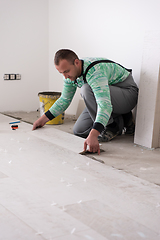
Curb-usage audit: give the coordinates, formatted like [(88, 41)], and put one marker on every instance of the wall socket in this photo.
[(12, 76)]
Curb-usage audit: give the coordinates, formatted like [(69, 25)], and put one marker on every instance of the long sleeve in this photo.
[(63, 102), (99, 77), (100, 88)]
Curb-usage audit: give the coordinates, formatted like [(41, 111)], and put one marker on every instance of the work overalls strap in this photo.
[(101, 61)]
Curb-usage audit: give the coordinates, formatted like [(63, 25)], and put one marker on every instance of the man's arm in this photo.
[(58, 107), (98, 81), (63, 102), (100, 88)]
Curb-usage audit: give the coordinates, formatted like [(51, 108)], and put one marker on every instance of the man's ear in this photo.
[(76, 62)]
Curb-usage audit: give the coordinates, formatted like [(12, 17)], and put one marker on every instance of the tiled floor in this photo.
[(49, 191)]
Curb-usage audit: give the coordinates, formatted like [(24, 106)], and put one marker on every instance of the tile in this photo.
[(52, 192), (83, 235), (2, 175), (65, 140), (109, 222), (14, 228), (132, 201), (36, 211)]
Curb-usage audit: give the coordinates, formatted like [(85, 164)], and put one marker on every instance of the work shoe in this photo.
[(129, 124), (107, 135), (130, 129)]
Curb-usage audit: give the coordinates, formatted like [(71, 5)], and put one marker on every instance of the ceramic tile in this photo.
[(109, 222), (49, 191), (14, 228), (84, 235)]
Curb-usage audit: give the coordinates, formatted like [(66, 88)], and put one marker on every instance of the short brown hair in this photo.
[(67, 54)]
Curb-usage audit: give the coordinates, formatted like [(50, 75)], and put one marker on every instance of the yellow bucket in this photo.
[(47, 99)]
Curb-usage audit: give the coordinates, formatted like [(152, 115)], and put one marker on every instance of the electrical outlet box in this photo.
[(18, 76), (12, 76), (6, 77)]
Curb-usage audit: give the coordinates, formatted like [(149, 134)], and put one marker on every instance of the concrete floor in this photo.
[(49, 191)]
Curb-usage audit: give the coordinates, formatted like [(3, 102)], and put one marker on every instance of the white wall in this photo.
[(23, 50), (30, 35), (113, 29)]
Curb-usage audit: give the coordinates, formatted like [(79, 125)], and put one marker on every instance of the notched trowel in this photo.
[(89, 154)]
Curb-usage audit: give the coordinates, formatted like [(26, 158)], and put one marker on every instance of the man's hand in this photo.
[(92, 142), (40, 122)]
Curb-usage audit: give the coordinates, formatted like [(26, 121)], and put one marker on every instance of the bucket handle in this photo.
[(42, 106)]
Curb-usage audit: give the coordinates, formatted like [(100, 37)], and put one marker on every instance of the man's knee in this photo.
[(75, 132), (80, 131), (79, 134)]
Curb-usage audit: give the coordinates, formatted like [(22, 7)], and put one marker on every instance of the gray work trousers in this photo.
[(124, 97)]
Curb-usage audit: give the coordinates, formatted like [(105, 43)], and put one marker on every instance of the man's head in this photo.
[(67, 62)]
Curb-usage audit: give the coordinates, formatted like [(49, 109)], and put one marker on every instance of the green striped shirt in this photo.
[(99, 77)]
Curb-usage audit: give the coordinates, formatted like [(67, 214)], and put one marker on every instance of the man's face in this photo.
[(71, 71)]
